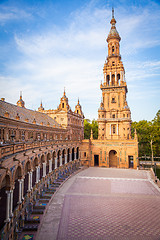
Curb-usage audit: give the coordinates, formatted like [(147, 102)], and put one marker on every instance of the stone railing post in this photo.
[(65, 158)]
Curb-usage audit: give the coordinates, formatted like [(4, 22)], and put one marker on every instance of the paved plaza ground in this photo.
[(101, 203)]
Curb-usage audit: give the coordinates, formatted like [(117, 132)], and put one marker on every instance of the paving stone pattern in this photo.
[(110, 204)]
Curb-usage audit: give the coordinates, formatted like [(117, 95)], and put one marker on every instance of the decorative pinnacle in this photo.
[(20, 94), (112, 12), (78, 101), (64, 92)]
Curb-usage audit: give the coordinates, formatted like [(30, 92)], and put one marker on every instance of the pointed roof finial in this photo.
[(20, 94), (41, 103), (78, 101), (112, 12), (91, 137), (64, 92)]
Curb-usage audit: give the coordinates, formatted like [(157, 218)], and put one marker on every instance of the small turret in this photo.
[(78, 108), (64, 103), (41, 108), (20, 102)]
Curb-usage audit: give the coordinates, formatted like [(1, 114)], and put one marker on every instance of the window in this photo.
[(113, 100), (108, 79), (84, 154), (113, 49), (113, 63), (114, 129), (113, 116), (77, 111), (62, 105), (123, 115)]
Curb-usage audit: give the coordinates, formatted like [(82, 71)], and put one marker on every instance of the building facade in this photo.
[(34, 151), (72, 121), (114, 147)]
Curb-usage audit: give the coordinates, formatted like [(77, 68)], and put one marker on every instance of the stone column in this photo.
[(31, 174), (116, 77), (37, 174), (70, 157), (74, 155), (29, 182), (44, 169), (55, 162), (60, 160), (105, 78), (50, 165), (110, 78), (65, 158), (117, 128), (20, 191), (8, 206), (11, 203)]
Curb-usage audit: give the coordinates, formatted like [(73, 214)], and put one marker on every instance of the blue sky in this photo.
[(48, 45)]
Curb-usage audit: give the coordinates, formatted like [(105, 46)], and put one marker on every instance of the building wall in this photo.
[(124, 150)]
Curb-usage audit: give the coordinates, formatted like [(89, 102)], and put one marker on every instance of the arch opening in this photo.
[(112, 158)]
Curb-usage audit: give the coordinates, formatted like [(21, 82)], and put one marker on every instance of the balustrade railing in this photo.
[(15, 147)]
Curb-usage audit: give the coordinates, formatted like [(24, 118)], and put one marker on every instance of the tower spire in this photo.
[(112, 12)]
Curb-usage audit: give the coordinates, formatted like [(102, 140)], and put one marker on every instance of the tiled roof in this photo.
[(26, 115)]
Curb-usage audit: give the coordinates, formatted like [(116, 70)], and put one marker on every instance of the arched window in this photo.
[(107, 79), (113, 50), (118, 78), (113, 79), (113, 116), (114, 129), (113, 100), (62, 105)]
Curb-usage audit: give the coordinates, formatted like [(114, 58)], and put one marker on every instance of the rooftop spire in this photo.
[(64, 92), (112, 12), (20, 102), (113, 32)]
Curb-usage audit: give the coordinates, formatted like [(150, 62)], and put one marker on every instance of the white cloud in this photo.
[(73, 57), (12, 13)]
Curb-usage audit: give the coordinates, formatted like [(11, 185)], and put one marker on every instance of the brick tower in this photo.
[(114, 116), (114, 146)]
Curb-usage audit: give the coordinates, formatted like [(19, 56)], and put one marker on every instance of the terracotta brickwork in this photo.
[(114, 147), (73, 121), (34, 150)]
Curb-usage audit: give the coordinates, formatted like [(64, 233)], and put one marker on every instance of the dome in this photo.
[(113, 32)]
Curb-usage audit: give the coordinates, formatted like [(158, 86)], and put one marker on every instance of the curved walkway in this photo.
[(102, 203)]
